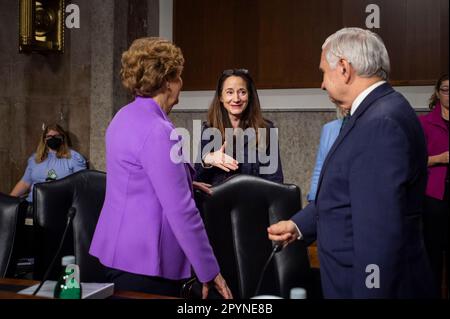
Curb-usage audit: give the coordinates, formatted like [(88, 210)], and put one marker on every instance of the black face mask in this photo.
[(54, 143)]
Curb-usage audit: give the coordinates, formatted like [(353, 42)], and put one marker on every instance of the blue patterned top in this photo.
[(51, 168)]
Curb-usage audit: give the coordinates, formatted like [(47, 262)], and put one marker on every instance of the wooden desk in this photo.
[(10, 287)]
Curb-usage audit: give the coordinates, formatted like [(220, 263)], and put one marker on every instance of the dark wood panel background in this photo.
[(280, 41)]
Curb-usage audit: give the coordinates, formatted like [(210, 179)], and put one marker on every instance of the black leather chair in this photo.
[(236, 217), (12, 220), (85, 191)]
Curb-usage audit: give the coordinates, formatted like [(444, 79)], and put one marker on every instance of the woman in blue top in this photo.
[(330, 132), (53, 160), (233, 139)]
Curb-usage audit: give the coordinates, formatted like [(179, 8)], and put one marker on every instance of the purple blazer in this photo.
[(436, 133), (149, 223)]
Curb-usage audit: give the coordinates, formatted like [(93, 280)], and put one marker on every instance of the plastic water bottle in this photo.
[(68, 285), (298, 293)]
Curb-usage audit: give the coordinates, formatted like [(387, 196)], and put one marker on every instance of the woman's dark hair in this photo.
[(252, 115), (434, 97)]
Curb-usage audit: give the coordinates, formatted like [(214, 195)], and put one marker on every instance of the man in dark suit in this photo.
[(368, 211)]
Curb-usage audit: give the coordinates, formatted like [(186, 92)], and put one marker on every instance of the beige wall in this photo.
[(299, 136)]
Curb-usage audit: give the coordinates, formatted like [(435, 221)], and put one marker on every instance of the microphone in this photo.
[(70, 215), (277, 247)]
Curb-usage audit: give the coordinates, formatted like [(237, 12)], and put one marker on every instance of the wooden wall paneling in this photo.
[(289, 52), (444, 38), (205, 31), (280, 41), (423, 41), (246, 16), (137, 20), (255, 35), (277, 43), (324, 18), (392, 30)]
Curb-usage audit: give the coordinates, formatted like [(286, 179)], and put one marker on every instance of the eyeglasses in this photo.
[(444, 90), (235, 71)]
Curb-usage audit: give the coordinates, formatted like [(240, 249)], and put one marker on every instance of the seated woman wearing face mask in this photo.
[(53, 160)]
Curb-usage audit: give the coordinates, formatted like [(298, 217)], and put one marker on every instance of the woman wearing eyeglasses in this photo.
[(244, 142), (54, 159), (436, 209)]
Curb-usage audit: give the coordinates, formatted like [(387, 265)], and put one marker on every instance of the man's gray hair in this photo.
[(363, 49)]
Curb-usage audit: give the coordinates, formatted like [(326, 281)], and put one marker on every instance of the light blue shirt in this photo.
[(330, 132), (53, 167)]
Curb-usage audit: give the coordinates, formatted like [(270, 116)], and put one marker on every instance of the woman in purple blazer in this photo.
[(150, 232), (436, 210)]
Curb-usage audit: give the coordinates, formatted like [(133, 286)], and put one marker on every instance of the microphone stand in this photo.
[(70, 216), (276, 248)]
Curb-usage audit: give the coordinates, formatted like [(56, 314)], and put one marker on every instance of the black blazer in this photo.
[(216, 176)]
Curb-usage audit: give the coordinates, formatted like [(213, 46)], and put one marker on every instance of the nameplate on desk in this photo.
[(89, 290)]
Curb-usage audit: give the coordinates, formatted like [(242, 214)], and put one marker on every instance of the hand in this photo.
[(204, 187), (221, 286), (221, 160), (438, 159), (443, 157), (284, 232)]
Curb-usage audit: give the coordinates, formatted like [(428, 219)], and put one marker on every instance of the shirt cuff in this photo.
[(300, 235)]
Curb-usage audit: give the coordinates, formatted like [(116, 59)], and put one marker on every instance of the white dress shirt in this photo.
[(363, 95)]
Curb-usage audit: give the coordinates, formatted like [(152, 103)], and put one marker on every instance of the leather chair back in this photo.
[(12, 220), (88, 201), (85, 191), (236, 217)]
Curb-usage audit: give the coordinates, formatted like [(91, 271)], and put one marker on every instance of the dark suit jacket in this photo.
[(368, 207), (216, 176)]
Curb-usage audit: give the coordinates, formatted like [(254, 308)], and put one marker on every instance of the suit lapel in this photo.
[(376, 94)]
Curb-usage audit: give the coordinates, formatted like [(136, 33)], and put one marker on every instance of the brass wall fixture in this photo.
[(41, 26)]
